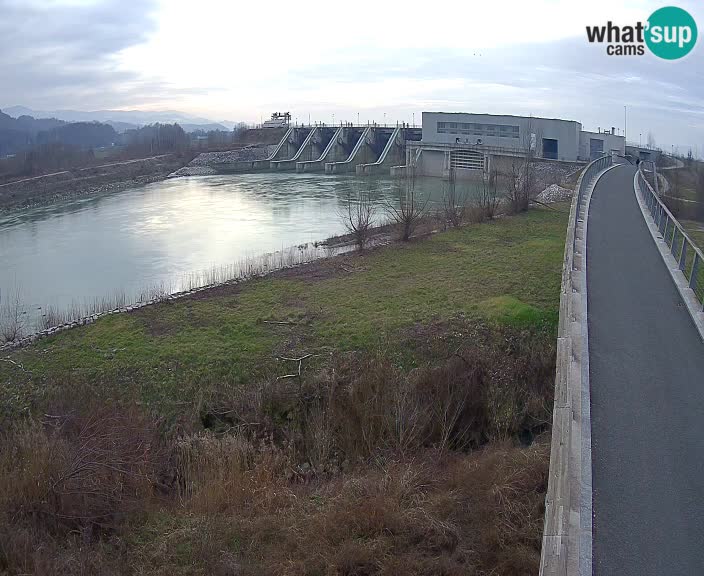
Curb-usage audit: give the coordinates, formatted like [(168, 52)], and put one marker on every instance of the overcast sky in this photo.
[(241, 60)]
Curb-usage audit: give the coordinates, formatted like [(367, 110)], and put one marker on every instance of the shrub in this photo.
[(80, 473)]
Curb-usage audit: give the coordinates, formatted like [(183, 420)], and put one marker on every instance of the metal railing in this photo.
[(590, 172), (516, 151), (689, 257), (588, 176)]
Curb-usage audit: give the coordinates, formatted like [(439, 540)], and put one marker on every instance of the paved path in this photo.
[(647, 395)]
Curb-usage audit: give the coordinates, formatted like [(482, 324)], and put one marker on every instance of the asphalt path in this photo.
[(646, 366)]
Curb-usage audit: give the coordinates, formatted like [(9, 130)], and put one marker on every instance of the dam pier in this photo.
[(344, 149)]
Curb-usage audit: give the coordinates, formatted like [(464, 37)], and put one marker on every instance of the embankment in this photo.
[(208, 163), (384, 412), (85, 181)]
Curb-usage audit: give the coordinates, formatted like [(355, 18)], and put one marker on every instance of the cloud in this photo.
[(55, 54), (242, 60)]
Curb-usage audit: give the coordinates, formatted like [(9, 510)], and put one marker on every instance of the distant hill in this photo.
[(121, 127), (25, 132), (119, 119), (204, 127), (84, 135), (22, 129), (28, 124)]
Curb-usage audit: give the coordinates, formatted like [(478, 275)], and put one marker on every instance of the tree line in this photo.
[(31, 147)]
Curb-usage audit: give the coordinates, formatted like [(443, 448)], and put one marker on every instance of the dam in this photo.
[(345, 149)]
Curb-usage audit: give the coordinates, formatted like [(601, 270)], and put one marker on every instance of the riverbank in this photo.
[(94, 180), (379, 413)]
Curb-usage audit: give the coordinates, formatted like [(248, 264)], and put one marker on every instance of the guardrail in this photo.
[(689, 257), (585, 180), (566, 549), (515, 151)]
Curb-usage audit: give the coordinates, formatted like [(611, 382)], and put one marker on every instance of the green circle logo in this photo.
[(670, 33)]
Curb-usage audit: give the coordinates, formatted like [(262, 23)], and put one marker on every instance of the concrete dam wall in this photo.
[(348, 149)]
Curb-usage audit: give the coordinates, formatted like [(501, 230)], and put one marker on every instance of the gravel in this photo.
[(194, 171), (241, 155), (206, 163), (554, 193)]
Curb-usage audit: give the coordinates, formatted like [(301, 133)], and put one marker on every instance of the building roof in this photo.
[(499, 115)]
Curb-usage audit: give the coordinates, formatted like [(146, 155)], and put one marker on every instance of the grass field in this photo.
[(165, 441), (507, 272), (695, 230)]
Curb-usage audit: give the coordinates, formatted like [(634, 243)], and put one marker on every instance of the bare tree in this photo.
[(521, 179), (488, 200), (675, 195), (409, 210), (514, 190), (359, 217), (699, 191), (12, 318), (454, 202)]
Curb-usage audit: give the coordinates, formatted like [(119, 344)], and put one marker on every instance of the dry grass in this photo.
[(70, 481), (79, 473), (432, 514), (361, 468)]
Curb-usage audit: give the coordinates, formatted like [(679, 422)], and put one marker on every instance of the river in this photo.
[(76, 253)]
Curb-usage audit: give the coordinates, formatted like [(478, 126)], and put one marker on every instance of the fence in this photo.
[(688, 256), (590, 172), (566, 549)]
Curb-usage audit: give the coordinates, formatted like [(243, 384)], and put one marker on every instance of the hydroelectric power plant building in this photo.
[(466, 143)]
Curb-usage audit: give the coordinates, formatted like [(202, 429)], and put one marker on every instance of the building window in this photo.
[(481, 130)]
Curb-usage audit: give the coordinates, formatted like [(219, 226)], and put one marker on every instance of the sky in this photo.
[(371, 60)]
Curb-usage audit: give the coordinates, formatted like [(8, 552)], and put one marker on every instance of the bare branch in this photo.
[(358, 219), (454, 202), (409, 210)]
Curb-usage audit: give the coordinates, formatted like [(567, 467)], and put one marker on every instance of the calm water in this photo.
[(75, 252)]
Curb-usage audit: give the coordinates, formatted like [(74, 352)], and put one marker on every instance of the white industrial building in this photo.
[(467, 142)]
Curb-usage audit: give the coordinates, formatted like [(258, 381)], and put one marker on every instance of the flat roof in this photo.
[(502, 116), (603, 133)]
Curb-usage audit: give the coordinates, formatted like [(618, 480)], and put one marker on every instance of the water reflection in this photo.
[(83, 249)]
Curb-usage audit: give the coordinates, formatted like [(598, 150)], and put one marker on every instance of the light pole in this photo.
[(414, 119), (384, 118), (625, 125), (640, 140)]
